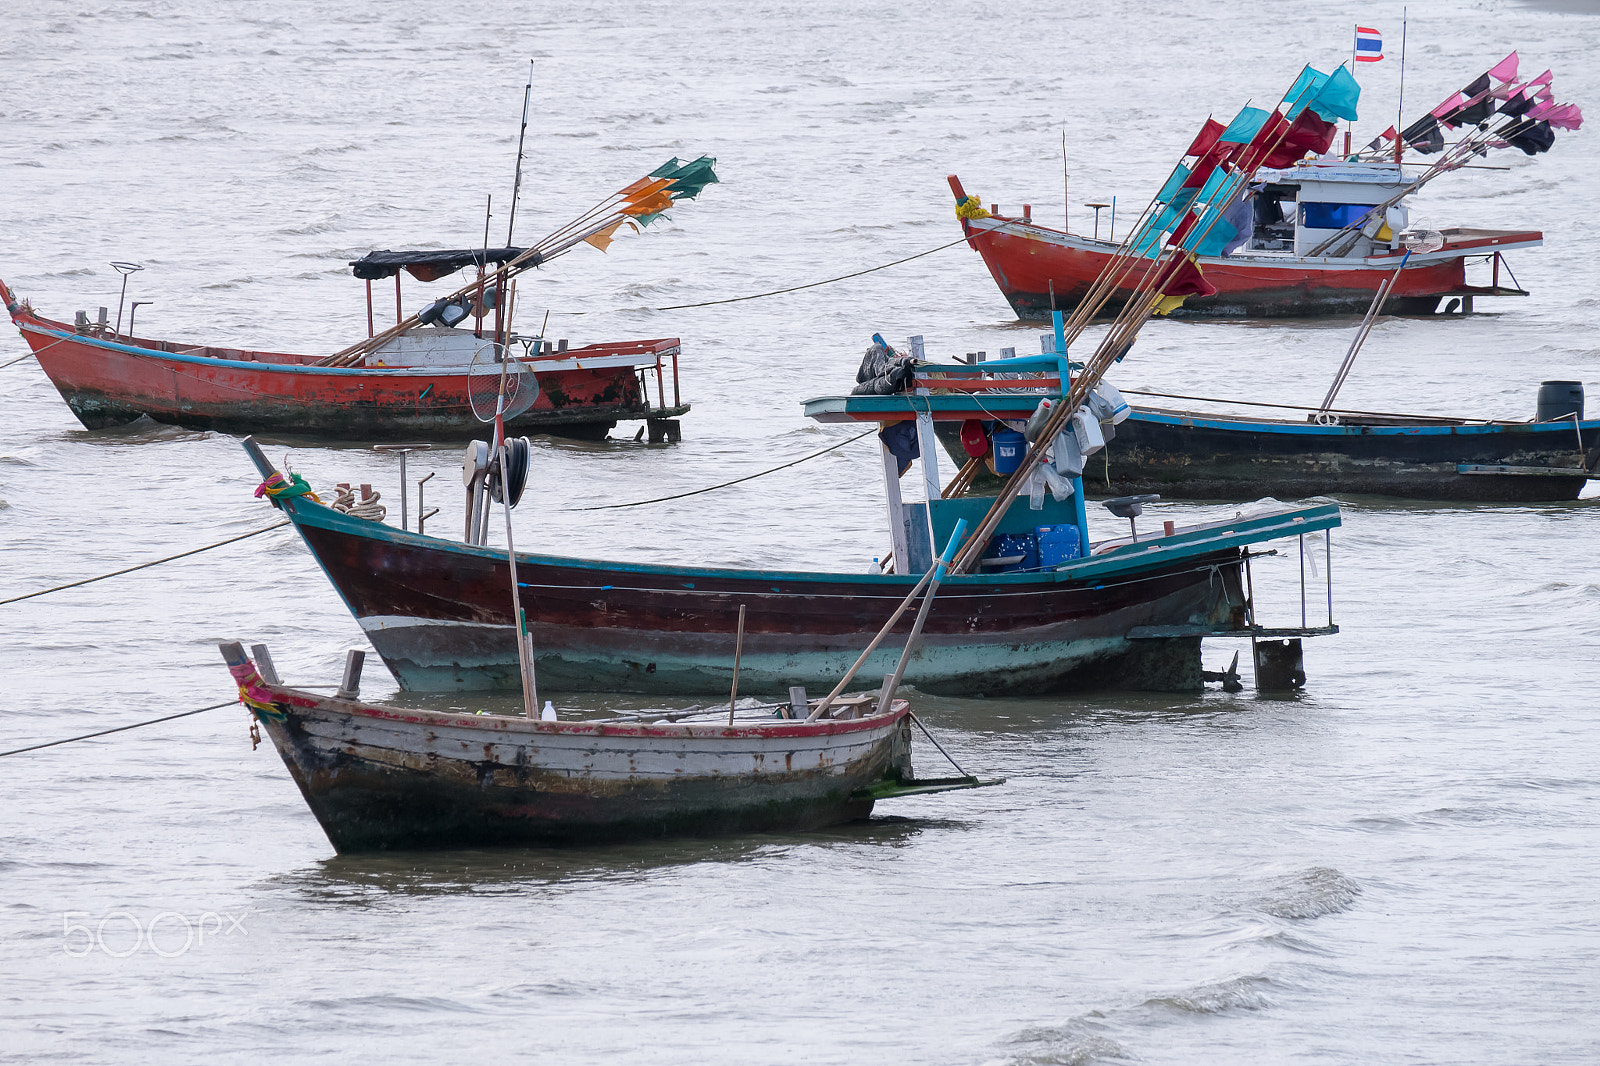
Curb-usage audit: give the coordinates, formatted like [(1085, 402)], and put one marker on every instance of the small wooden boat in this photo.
[(415, 386), (380, 777)]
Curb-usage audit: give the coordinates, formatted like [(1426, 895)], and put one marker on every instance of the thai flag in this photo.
[(1369, 45)]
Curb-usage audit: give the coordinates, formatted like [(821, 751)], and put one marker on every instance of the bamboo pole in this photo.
[(934, 574), (738, 653)]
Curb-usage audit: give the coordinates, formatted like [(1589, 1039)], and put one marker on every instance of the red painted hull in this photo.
[(110, 381), (1034, 266)]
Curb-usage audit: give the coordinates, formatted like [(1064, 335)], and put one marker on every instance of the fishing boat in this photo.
[(1313, 233), (1125, 612), (1187, 454), (1217, 455), (413, 380), (383, 777)]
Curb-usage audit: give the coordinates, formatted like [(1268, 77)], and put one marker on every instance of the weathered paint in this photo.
[(438, 613), (1184, 455), (110, 382), (380, 777), (1030, 262)]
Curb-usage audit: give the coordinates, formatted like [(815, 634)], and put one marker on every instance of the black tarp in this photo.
[(430, 265)]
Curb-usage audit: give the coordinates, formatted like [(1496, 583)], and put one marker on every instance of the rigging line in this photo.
[(936, 744), (142, 566), (779, 292), (118, 729), (1307, 408), (46, 348), (725, 484)]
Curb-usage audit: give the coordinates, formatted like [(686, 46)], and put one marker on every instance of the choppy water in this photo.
[(1397, 867)]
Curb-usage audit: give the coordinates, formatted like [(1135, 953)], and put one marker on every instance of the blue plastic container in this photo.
[(1057, 545), (1009, 448)]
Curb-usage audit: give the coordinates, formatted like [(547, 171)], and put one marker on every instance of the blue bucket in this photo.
[(1009, 447)]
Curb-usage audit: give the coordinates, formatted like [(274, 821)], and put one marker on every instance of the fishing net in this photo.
[(489, 375)]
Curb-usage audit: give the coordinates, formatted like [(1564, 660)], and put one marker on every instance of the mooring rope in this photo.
[(776, 292), (725, 484), (118, 729), (142, 566)]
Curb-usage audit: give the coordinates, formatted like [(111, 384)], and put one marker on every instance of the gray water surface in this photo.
[(1397, 866)]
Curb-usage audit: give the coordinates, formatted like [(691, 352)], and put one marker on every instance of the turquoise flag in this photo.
[(1338, 96), (1245, 125), (1303, 91)]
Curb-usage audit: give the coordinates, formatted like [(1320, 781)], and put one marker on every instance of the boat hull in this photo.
[(382, 777), (1038, 269), (1184, 455), (110, 382), (1209, 458), (439, 615)]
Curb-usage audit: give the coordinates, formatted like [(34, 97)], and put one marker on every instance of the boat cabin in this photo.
[(1299, 207)]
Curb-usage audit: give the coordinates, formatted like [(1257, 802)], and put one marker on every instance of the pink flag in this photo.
[(1506, 69), (1450, 104), (1565, 117), (1544, 79)]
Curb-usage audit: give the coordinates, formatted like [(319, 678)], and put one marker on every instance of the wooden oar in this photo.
[(933, 577)]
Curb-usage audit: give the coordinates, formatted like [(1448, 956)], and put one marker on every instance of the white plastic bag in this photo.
[(1060, 487)]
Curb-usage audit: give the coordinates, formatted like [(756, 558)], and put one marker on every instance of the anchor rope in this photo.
[(143, 566), (725, 484), (119, 729), (776, 292)]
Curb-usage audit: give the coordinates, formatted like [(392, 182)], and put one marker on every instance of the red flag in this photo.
[(1184, 278), (1307, 133), (1206, 138)]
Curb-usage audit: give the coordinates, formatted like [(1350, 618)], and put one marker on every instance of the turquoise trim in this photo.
[(1312, 429), (1122, 560), (241, 364)]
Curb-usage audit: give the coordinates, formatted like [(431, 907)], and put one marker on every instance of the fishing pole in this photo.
[(516, 182)]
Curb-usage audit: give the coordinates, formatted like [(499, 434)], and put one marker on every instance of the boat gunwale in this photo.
[(1193, 543), (62, 332), (1226, 421), (520, 726)]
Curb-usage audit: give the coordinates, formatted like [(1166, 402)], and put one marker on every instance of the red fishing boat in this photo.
[(1038, 267), (419, 378), (1287, 226), (414, 386)]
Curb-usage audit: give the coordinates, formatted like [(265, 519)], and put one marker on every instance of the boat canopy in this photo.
[(430, 265)]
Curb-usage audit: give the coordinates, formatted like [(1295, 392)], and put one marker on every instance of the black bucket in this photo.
[(1559, 399)]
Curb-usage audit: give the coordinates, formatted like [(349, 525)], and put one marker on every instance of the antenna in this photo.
[(516, 182)]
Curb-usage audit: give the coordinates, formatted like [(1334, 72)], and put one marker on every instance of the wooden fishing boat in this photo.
[(380, 777), (1129, 614), (1200, 455), (1194, 455), (414, 386), (1279, 223), (412, 380), (1037, 267)]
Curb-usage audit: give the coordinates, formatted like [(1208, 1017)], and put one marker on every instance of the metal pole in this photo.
[(1302, 539)]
